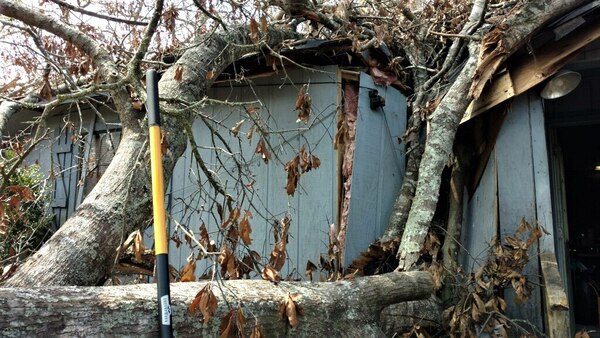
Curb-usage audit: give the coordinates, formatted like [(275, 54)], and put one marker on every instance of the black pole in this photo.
[(161, 248)]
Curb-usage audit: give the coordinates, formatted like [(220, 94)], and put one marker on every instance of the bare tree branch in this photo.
[(98, 15)]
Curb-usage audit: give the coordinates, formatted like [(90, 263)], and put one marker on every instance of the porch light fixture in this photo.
[(597, 168), (561, 84)]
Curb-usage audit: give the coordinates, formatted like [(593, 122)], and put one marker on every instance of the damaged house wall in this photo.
[(269, 114)]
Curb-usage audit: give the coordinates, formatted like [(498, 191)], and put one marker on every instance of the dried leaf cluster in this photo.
[(261, 148), (289, 310), (303, 104), (481, 308), (232, 325), (278, 255), (205, 302), (302, 163)]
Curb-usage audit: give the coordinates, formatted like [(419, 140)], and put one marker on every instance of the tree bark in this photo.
[(403, 202), (438, 147), (399, 318), (337, 309)]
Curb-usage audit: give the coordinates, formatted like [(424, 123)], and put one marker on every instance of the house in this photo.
[(257, 105), (532, 158)]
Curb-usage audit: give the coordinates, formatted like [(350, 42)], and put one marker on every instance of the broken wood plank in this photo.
[(556, 306), (532, 70)]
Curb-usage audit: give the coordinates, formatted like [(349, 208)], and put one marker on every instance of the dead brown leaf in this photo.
[(227, 261), (210, 74), (246, 228), (247, 264), (235, 130), (250, 133), (253, 30), (178, 73), (233, 217), (45, 91), (257, 332), (204, 239), (289, 310), (11, 84), (308, 161), (188, 272), (293, 175), (138, 246), (310, 268), (582, 334), (232, 325), (261, 148), (205, 302), (303, 104), (164, 144), (270, 274)]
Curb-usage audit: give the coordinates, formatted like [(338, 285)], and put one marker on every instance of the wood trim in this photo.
[(532, 70), (556, 306), (350, 75), (339, 195)]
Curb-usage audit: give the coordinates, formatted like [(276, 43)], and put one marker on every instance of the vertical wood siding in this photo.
[(311, 209), (515, 185), (378, 166)]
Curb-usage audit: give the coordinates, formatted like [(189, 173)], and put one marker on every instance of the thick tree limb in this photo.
[(403, 202), (399, 318), (345, 308), (443, 124)]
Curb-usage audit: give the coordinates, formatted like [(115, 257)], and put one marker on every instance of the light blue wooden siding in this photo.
[(378, 166), (541, 172), (480, 221), (516, 193), (312, 208), (516, 177)]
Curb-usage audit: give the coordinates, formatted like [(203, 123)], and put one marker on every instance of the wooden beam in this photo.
[(532, 70), (556, 306)]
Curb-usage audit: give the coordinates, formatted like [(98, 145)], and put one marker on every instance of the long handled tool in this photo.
[(161, 248)]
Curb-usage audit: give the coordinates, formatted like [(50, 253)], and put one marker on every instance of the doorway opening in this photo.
[(577, 147)]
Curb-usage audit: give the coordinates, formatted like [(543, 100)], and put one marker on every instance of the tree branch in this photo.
[(133, 68), (98, 15), (99, 55)]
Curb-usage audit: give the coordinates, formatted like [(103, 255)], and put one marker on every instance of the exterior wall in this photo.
[(515, 185), (378, 168), (66, 156), (261, 189), (80, 147)]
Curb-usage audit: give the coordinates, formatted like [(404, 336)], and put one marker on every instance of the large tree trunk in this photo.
[(345, 308)]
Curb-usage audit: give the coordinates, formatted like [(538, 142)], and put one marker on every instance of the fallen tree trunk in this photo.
[(344, 308), (400, 318)]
